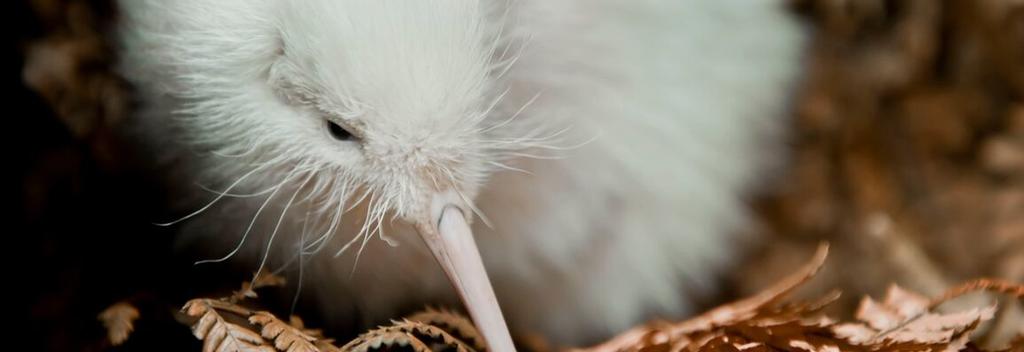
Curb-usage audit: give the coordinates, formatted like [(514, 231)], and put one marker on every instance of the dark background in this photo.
[(82, 203)]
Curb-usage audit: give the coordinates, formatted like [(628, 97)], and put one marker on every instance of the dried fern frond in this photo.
[(741, 310), (385, 337), (286, 337), (219, 335), (434, 332), (908, 318), (903, 321), (406, 333), (218, 304), (991, 285), (440, 329), (119, 320), (454, 323), (261, 280), (326, 345), (296, 322)]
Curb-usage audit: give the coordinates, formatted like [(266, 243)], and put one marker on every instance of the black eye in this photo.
[(338, 132)]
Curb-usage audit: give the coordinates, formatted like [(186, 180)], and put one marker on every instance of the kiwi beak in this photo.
[(450, 238)]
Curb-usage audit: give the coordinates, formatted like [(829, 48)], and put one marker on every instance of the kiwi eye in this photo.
[(338, 132)]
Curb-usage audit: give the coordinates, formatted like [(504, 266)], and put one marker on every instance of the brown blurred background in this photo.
[(907, 142), (908, 139)]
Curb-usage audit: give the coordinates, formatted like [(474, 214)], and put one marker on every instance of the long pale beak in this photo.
[(450, 238)]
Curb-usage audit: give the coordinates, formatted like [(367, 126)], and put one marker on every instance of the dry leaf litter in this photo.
[(901, 321)]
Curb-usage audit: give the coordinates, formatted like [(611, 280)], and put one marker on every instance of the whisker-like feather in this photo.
[(251, 223), (218, 198), (277, 226), (323, 239), (513, 116), (469, 202)]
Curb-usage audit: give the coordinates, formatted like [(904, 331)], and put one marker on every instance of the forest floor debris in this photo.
[(901, 321)]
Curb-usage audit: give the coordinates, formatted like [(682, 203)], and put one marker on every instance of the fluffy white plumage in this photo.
[(650, 119)]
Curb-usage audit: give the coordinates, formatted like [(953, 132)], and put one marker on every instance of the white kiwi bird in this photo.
[(592, 155)]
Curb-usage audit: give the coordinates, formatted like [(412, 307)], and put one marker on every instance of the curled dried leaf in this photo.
[(406, 333), (119, 320), (385, 336), (454, 323), (260, 280), (435, 333)]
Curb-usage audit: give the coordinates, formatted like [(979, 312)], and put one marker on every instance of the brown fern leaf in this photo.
[(904, 320), (454, 323), (217, 334), (218, 304), (385, 337), (327, 345), (261, 280), (435, 333), (661, 335), (296, 322), (992, 285), (406, 333), (286, 337), (119, 320), (322, 343)]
